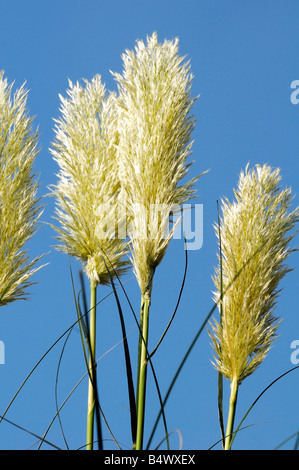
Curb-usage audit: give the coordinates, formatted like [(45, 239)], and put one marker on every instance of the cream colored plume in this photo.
[(255, 233), (19, 210), (155, 127), (88, 185)]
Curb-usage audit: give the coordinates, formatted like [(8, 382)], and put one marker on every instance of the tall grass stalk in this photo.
[(154, 143), (92, 367), (231, 414), (142, 371), (220, 376), (87, 191), (255, 234)]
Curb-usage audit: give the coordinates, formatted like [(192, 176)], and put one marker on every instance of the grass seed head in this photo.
[(19, 205), (88, 184), (155, 127), (255, 230)]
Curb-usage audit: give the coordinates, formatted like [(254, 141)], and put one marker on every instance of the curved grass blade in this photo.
[(131, 391), (192, 345), (162, 337), (40, 361), (67, 398), (295, 434), (178, 302), (257, 399), (83, 330), (178, 372), (57, 415), (92, 372), (241, 429), (82, 319), (85, 338), (150, 361), (161, 403), (56, 388), (34, 368), (30, 432), (172, 432)]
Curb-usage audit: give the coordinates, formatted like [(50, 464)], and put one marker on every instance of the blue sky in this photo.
[(244, 57)]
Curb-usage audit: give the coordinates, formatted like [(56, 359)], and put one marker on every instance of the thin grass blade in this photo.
[(260, 395), (201, 329), (150, 361), (29, 432), (178, 302), (131, 391)]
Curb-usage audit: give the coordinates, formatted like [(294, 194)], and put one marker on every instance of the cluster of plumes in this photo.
[(155, 127), (130, 150), (255, 232), (19, 210), (88, 184)]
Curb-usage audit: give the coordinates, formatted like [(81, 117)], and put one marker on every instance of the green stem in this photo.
[(140, 342), (92, 338), (142, 371), (220, 376), (231, 414)]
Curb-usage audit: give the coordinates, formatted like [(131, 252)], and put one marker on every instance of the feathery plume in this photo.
[(19, 210), (88, 186), (87, 193), (155, 128), (255, 237)]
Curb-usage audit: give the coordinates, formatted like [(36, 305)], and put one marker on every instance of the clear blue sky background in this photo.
[(244, 56)]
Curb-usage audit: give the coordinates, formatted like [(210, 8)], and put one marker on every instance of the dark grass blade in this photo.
[(130, 382), (84, 329), (56, 389), (56, 397), (93, 376), (260, 395), (30, 432), (201, 329), (178, 372), (241, 429), (150, 361), (81, 318), (177, 304), (161, 404), (34, 368), (296, 445), (83, 323), (64, 403), (158, 344)]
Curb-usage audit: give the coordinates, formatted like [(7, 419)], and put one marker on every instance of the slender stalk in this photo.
[(220, 376), (138, 364), (92, 338), (142, 371), (139, 347), (231, 414)]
